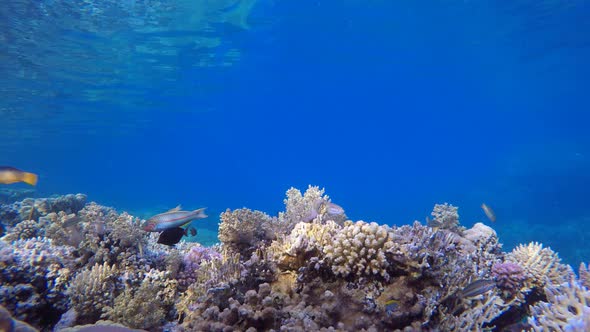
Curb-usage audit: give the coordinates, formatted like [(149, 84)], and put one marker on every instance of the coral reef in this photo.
[(68, 265)]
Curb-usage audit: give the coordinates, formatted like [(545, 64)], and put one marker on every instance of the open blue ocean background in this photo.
[(391, 106)]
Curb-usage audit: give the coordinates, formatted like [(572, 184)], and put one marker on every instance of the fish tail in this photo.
[(200, 213), (29, 178)]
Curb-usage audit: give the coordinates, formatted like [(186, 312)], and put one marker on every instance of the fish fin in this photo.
[(30, 178), (175, 209)]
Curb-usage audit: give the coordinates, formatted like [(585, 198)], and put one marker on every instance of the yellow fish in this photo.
[(10, 175)]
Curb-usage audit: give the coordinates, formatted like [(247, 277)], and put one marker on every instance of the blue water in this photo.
[(392, 106)]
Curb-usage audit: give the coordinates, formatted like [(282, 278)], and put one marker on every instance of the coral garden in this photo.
[(70, 265)]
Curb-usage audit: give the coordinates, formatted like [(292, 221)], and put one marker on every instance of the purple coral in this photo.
[(192, 261), (509, 277)]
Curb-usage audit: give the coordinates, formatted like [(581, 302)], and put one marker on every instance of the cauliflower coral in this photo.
[(359, 249)]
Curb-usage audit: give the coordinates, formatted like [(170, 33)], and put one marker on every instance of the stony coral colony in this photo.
[(284, 273)]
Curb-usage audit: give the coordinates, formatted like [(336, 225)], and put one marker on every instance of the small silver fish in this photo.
[(334, 209), (321, 207), (72, 220), (489, 212), (172, 218), (477, 287)]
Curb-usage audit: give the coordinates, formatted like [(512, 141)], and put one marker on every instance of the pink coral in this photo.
[(192, 261), (509, 277)]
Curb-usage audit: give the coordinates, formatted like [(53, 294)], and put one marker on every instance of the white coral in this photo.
[(567, 309), (540, 264), (359, 248), (307, 237)]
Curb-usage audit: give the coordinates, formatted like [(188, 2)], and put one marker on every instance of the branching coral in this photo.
[(584, 275), (299, 207), (445, 216), (567, 309), (242, 230), (139, 308), (59, 228), (540, 264), (479, 314), (422, 251), (306, 240), (310, 206), (110, 237), (92, 290), (192, 261), (212, 274), (359, 249)]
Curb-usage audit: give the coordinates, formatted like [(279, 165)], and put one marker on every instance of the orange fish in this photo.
[(10, 175)]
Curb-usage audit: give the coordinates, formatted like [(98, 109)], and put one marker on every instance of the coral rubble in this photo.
[(67, 264)]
